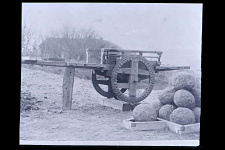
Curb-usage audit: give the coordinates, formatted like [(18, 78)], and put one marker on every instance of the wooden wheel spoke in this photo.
[(121, 81), (104, 82), (124, 70)]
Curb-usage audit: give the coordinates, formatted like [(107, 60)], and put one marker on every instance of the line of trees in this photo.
[(75, 41), (30, 41), (70, 40)]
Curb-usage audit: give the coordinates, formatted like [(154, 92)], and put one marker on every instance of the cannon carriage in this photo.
[(130, 74), (126, 75)]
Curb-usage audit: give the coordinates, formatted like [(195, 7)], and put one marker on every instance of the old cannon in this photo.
[(126, 75)]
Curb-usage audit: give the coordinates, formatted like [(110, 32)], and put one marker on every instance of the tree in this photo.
[(30, 41), (27, 35), (75, 40)]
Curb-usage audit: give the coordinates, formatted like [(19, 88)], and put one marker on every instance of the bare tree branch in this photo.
[(74, 40)]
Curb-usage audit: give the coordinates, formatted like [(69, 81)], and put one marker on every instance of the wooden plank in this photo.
[(104, 82), (52, 63), (173, 126), (166, 68), (90, 66), (68, 64), (132, 51), (153, 63), (29, 61), (127, 124), (73, 64), (192, 128), (45, 63), (143, 126), (151, 57), (182, 129), (153, 125), (133, 78), (124, 70), (128, 71), (68, 80)]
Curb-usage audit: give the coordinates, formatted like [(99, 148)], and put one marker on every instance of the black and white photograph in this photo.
[(111, 74)]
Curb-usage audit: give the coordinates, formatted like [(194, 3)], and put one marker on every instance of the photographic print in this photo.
[(119, 74)]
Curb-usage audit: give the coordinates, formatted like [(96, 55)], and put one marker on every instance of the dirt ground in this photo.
[(43, 119)]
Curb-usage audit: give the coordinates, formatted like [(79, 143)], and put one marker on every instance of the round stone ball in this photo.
[(183, 98), (197, 112), (182, 116), (183, 80), (166, 95), (196, 92), (155, 104), (198, 82), (166, 110), (198, 76), (144, 113)]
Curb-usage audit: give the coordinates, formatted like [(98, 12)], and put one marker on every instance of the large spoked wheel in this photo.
[(103, 85), (138, 77)]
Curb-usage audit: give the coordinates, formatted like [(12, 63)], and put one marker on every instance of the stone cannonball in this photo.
[(144, 113), (197, 112), (166, 95), (183, 98), (182, 116), (166, 110), (183, 80)]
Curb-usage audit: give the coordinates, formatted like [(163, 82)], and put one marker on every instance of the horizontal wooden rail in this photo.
[(127, 71), (132, 51), (167, 68), (67, 64)]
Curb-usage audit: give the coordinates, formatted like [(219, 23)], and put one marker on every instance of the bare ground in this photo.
[(43, 120)]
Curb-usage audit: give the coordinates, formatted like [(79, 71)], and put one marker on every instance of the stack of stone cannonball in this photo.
[(181, 100)]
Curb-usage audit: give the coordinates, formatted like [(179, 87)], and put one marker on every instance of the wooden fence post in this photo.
[(68, 81)]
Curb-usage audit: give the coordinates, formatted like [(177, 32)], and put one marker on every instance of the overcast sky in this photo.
[(174, 29)]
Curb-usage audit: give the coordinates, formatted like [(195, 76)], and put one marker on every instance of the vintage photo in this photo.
[(119, 74)]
